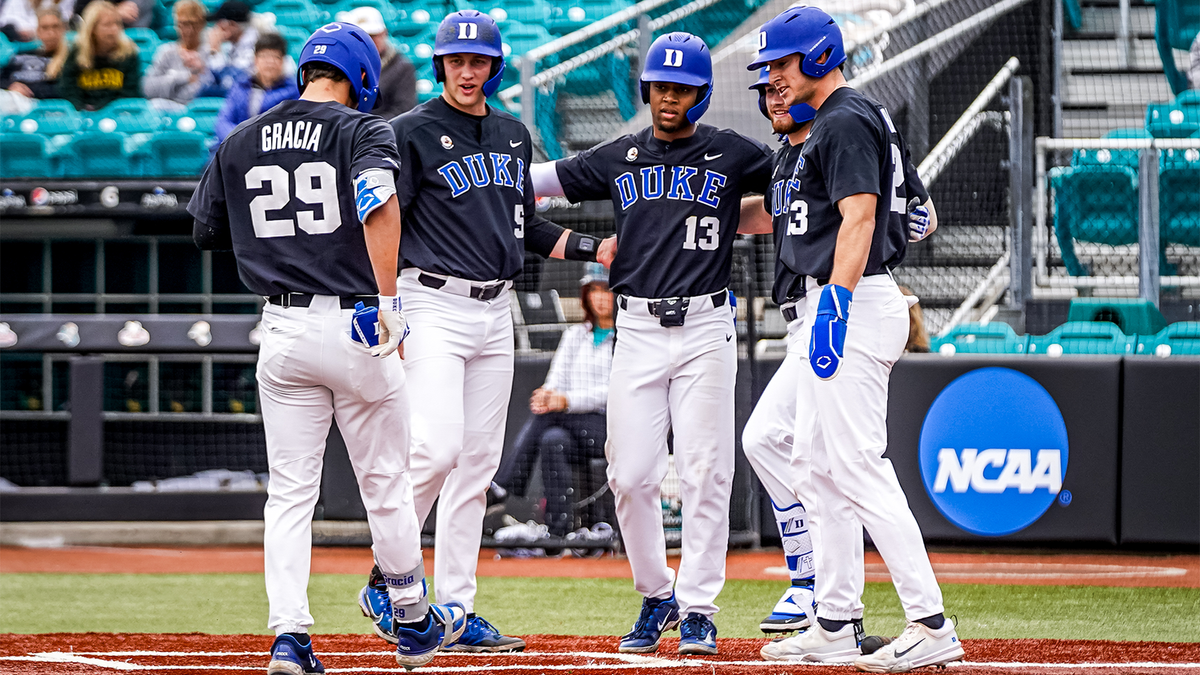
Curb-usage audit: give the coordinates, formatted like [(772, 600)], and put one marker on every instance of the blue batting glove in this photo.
[(828, 343), (918, 221)]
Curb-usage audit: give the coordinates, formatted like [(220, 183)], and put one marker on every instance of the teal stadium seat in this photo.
[(49, 117), (389, 12), (1073, 14), (980, 338), (570, 16), (295, 37), (1178, 339), (1179, 197), (177, 154), (1096, 203), (1176, 25), (505, 12), (1083, 337), (201, 116), (7, 51), (28, 156), (415, 22), (1090, 156), (129, 116), (147, 42), (1172, 120), (96, 154), (1131, 316), (299, 13)]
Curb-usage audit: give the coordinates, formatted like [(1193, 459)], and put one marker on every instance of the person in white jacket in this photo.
[(568, 426)]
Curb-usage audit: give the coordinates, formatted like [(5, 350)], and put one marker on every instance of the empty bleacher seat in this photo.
[(1095, 203), (1172, 120), (147, 42), (49, 117), (1131, 316), (176, 154), (96, 154), (1175, 27), (1083, 337), (533, 12), (415, 23), (1179, 197), (128, 115), (570, 16), (300, 13), (980, 338), (389, 12), (1178, 339), (295, 37), (28, 156)]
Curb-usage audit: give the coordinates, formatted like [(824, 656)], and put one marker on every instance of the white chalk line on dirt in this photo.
[(1031, 571), (595, 661)]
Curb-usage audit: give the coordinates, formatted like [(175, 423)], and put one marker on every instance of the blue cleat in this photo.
[(792, 611), (418, 642), (698, 635), (373, 599), (656, 616), (482, 636), (289, 657)]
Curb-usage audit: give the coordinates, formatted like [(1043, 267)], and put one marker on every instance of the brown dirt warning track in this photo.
[(97, 653)]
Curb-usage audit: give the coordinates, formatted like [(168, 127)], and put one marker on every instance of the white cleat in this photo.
[(918, 646), (816, 645)]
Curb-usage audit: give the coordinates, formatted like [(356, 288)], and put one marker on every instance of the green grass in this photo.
[(237, 603)]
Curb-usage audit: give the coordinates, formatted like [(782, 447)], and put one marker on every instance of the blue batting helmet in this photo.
[(681, 58), (807, 31), (349, 49), (801, 112), (470, 32)]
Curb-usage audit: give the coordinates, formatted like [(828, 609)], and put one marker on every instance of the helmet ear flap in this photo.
[(762, 102), (645, 92), (439, 70)]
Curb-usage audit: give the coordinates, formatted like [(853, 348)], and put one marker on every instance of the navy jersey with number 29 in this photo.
[(677, 205), (852, 148), (282, 183)]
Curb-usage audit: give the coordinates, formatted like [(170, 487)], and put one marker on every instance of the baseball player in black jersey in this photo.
[(676, 189), (468, 209), (304, 194), (850, 229)]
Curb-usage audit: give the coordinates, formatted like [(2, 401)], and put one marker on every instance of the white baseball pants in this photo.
[(309, 372), (678, 378), (459, 359), (838, 460)]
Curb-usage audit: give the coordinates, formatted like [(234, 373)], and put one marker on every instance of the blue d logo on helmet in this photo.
[(801, 112), (349, 49), (470, 32), (680, 58), (807, 31)]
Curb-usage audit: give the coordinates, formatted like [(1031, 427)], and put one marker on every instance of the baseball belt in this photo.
[(305, 299)]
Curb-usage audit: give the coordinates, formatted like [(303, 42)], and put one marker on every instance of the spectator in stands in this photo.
[(103, 64), (230, 50), (134, 13), (179, 70), (918, 337), (398, 80), (35, 74), (263, 90), (1194, 69), (19, 18), (568, 425)]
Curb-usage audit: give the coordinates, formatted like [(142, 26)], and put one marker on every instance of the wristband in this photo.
[(389, 303), (581, 247)]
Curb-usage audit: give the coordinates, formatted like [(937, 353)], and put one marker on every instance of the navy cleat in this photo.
[(657, 615), (418, 642), (698, 635), (290, 657), (482, 636), (373, 599), (792, 611)]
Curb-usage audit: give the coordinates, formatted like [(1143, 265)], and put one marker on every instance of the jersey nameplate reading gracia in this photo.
[(298, 135)]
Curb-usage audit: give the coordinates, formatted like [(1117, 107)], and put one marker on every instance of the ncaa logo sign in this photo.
[(993, 451)]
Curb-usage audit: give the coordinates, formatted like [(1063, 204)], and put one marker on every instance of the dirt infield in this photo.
[(98, 653), (1032, 568)]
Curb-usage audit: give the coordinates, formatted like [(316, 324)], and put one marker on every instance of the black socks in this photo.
[(302, 638), (831, 625), (935, 622)]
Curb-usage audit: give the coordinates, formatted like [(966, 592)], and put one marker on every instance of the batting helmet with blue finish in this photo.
[(801, 112), (807, 31), (681, 58), (470, 32), (349, 49)]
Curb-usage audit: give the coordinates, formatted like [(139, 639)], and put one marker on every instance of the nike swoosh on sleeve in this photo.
[(513, 145), (709, 159)]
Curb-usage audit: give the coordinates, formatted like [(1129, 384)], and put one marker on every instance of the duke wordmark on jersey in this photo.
[(653, 180), (477, 172)]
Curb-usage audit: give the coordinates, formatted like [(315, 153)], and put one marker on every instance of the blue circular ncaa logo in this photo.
[(993, 451)]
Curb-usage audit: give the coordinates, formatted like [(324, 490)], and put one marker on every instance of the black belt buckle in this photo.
[(671, 311), (789, 313), (486, 293)]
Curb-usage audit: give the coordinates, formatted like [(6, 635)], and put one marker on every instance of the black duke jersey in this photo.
[(852, 148), (677, 205), (465, 193), (282, 185), (778, 201)]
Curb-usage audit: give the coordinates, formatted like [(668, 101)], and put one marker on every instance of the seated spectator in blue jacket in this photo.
[(34, 74), (266, 88), (568, 425)]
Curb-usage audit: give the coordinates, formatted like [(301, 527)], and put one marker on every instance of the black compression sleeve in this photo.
[(541, 236), (209, 238)]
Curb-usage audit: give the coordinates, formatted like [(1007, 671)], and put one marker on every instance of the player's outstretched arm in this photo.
[(854, 239), (545, 180), (754, 218)]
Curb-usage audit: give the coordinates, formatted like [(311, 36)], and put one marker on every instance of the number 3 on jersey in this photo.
[(798, 220), (325, 193), (712, 234)]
